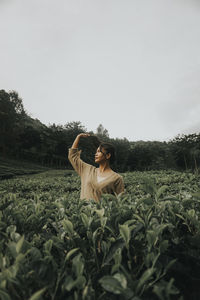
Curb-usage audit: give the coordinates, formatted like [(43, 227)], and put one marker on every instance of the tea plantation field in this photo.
[(9, 168), (143, 244)]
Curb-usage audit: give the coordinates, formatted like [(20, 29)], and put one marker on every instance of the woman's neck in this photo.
[(104, 168)]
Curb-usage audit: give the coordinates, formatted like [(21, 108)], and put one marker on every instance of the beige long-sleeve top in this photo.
[(91, 188)]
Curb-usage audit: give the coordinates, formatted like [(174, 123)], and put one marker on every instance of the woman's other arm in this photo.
[(119, 186)]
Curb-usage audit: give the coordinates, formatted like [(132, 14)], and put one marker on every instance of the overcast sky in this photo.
[(131, 65)]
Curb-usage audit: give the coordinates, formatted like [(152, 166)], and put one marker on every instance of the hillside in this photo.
[(10, 168)]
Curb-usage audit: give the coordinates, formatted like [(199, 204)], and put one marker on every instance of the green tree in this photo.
[(185, 149), (7, 124), (102, 132)]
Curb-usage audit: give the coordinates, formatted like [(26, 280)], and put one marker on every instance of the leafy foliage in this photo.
[(143, 244)]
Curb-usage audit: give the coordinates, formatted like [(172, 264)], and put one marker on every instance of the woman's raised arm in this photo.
[(77, 139), (74, 155)]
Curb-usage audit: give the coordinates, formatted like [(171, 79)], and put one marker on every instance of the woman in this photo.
[(96, 181)]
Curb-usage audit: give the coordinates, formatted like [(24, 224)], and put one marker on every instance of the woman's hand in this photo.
[(83, 135), (77, 139)]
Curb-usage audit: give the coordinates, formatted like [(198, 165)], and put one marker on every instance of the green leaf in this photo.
[(103, 221), (19, 244), (139, 218), (3, 284), (111, 284), (12, 248), (100, 212), (161, 190), (35, 253), (80, 282), (191, 213), (164, 245), (38, 294), (152, 238), (69, 283), (78, 265), (149, 186), (15, 236), (171, 289), (4, 295), (196, 195), (68, 227), (170, 264), (48, 246), (86, 220), (144, 278), (122, 279), (94, 235), (181, 217), (148, 201), (11, 229), (70, 253), (125, 233), (115, 250), (20, 257)]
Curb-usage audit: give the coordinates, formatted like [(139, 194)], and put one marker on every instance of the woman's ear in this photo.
[(108, 155)]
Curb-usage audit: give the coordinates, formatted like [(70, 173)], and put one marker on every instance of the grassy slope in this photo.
[(10, 168)]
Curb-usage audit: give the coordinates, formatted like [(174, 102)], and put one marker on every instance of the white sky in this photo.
[(131, 65)]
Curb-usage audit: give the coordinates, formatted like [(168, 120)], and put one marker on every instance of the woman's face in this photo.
[(100, 155)]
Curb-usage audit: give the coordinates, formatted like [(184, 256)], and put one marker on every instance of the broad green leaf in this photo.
[(68, 226), (122, 279), (191, 213), (11, 229), (48, 246), (115, 252), (111, 284), (80, 282), (15, 236), (86, 220), (78, 265), (159, 229), (144, 278), (152, 238), (100, 212), (35, 253), (19, 244), (12, 248), (125, 233), (20, 257), (38, 294), (164, 245), (69, 283)]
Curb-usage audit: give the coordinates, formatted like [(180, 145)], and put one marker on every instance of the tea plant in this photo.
[(143, 244)]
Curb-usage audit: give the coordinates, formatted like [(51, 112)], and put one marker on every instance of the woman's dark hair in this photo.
[(109, 148)]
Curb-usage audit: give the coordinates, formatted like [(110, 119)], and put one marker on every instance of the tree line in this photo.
[(25, 138)]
